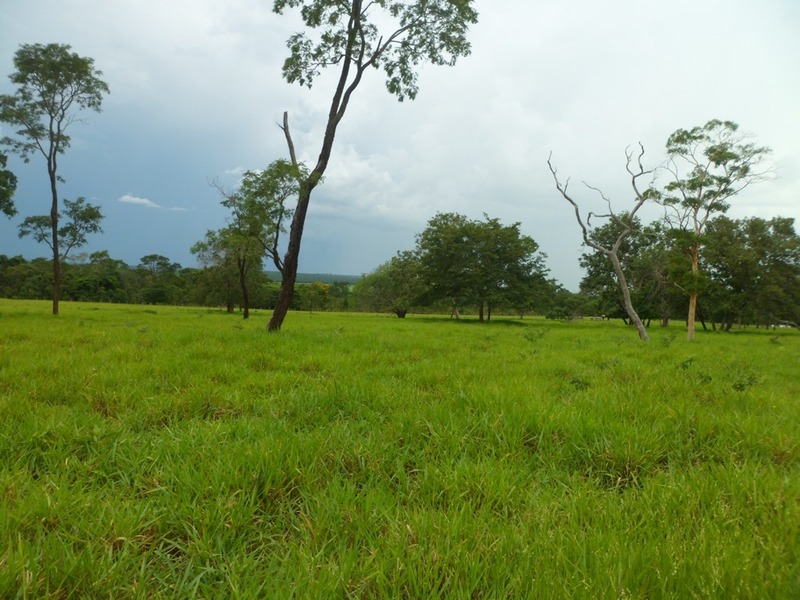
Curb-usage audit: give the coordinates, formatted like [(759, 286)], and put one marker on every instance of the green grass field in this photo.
[(178, 453)]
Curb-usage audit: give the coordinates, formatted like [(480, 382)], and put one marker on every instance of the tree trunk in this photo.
[(626, 297), (480, 312), (242, 262), (690, 319), (290, 261), (51, 167), (285, 297)]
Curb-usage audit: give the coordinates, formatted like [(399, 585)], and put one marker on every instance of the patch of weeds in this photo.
[(686, 364), (535, 336), (579, 383), (606, 364), (744, 381), (775, 339), (668, 340)]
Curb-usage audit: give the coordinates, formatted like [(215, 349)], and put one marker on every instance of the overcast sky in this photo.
[(196, 92)]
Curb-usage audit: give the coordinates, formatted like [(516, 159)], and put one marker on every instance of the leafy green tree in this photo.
[(394, 286), (97, 278), (220, 270), (707, 166), (51, 83), (259, 212), (8, 185), (81, 219), (340, 295), (753, 270), (354, 36), (623, 226), (485, 263), (160, 280), (565, 305), (317, 295)]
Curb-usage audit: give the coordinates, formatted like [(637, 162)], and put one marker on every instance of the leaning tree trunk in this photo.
[(290, 262), (626, 297)]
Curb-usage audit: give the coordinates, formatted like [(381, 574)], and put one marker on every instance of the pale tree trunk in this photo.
[(691, 317), (626, 297)]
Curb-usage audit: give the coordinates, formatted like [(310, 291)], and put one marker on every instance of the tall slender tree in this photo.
[(355, 36), (52, 84), (707, 165)]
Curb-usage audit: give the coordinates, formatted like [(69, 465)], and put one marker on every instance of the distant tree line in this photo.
[(749, 275), (156, 280)]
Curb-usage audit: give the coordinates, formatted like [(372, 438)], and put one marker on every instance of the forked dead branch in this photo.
[(625, 222)]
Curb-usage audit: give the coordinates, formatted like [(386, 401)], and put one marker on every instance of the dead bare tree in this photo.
[(625, 223)]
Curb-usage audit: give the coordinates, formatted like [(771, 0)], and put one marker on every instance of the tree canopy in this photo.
[(81, 217), (394, 286), (484, 263)]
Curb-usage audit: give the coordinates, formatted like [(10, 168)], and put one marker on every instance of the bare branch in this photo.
[(288, 135), (613, 252)]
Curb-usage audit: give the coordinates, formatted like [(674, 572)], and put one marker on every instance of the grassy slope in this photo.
[(179, 452)]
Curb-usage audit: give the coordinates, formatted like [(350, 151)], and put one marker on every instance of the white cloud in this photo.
[(131, 199)]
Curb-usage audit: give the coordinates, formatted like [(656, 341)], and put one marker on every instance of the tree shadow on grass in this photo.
[(473, 320)]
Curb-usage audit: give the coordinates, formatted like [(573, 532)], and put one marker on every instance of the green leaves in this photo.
[(82, 219), (51, 82), (478, 261), (708, 165), (348, 36), (259, 210), (8, 185)]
